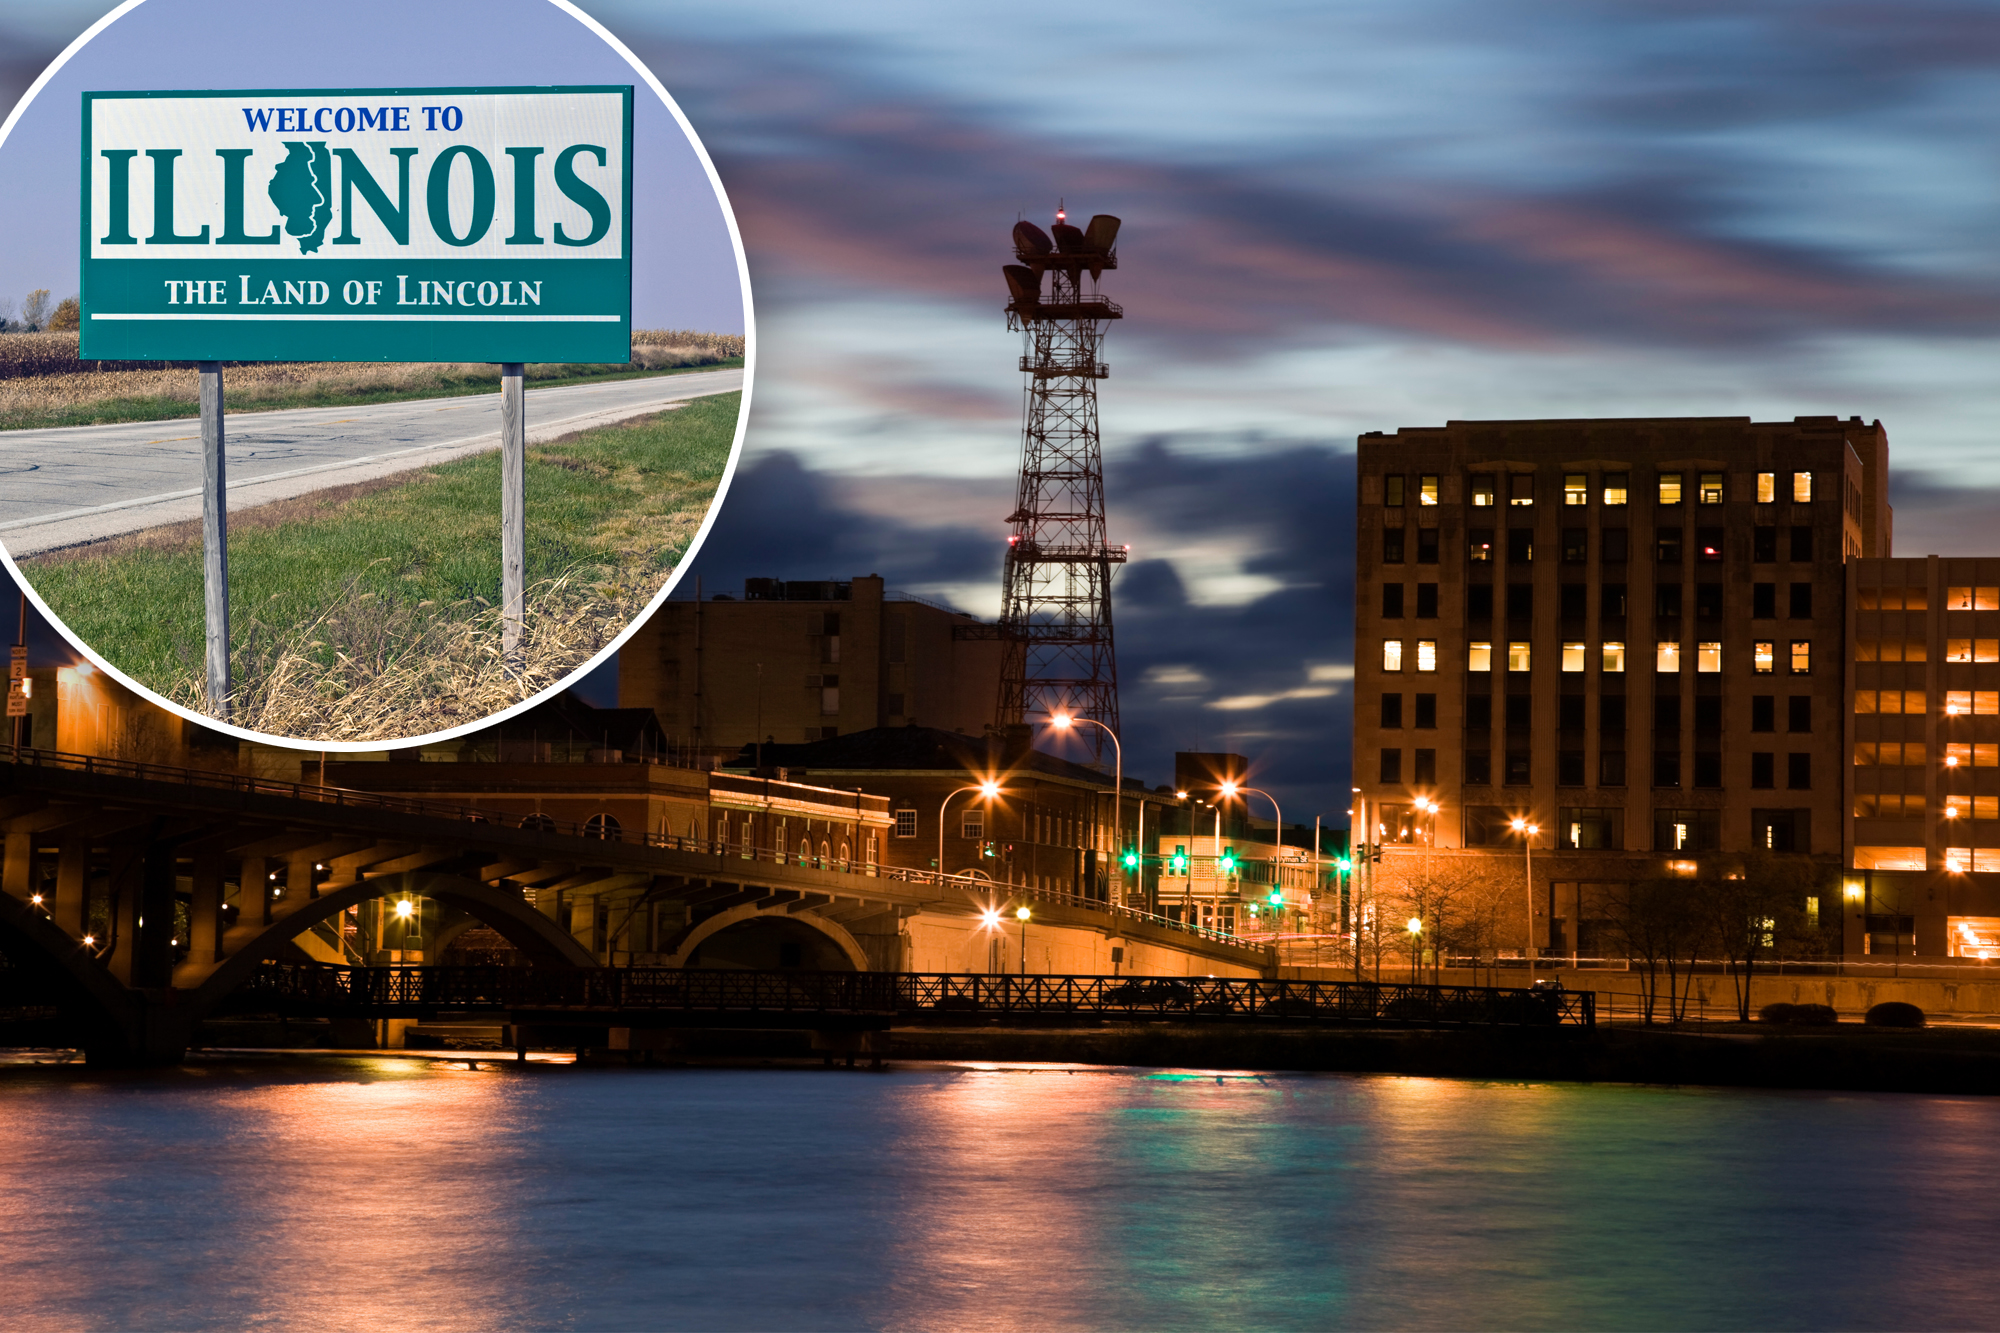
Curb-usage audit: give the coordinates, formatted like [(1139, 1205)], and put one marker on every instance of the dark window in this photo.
[(1668, 543), (1708, 716), (1392, 765), (1763, 770), (1667, 599), (1611, 768), (1615, 543), (1708, 545), (1611, 600), (1569, 712), (1575, 601), (1569, 768), (1427, 710), (1521, 488), (1392, 490), (1781, 830), (1517, 768), (1392, 710), (1427, 601), (1392, 601), (1427, 546), (1479, 544), (1589, 830), (1392, 546), (1763, 712), (1520, 545), (1686, 830), (1798, 711), (1426, 766), (1798, 772), (1708, 770), (1802, 542), (1479, 712), (1576, 546), (1667, 714), (1520, 712), (1708, 601), (1479, 601), (1479, 766), (1764, 545), (1763, 601), (1667, 768), (1802, 601), (1488, 826), (1520, 601), (1611, 715)]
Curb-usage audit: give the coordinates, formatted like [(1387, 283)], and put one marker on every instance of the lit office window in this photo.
[(1573, 654), (1802, 487), (1708, 657), (1767, 488), (1666, 656), (1711, 489), (1614, 657), (1482, 490), (1479, 657), (1517, 656), (1427, 490), (1801, 657), (1576, 489), (1958, 598), (1427, 655), (1764, 656), (1617, 487), (1392, 654), (1670, 488)]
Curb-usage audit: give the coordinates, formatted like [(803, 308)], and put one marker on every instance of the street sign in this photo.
[(17, 698), (392, 224), (17, 663)]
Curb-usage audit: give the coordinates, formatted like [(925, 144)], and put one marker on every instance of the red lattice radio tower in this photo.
[(1056, 620)]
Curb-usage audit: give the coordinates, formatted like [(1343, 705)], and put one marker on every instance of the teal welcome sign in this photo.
[(394, 224)]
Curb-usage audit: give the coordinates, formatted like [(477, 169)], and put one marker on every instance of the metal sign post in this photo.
[(214, 539), (513, 504)]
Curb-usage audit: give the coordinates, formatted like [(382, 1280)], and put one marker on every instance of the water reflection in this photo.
[(390, 1194)]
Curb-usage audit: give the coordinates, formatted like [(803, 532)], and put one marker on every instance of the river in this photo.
[(379, 1193)]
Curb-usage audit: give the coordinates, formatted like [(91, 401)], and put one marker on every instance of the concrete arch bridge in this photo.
[(135, 897)]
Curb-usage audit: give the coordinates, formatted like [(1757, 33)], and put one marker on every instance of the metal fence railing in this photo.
[(320, 988)]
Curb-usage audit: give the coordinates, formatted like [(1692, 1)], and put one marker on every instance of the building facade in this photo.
[(1630, 634), (792, 662)]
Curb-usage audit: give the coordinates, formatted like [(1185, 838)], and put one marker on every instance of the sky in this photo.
[(1336, 219)]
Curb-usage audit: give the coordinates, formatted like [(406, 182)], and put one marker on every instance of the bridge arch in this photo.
[(516, 920), (35, 944), (692, 939)]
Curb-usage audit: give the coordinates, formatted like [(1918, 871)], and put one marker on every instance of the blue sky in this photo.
[(1337, 219)]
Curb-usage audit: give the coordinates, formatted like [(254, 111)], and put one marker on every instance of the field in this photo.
[(43, 384), (368, 613)]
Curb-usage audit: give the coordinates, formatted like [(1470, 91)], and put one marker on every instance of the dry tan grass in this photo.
[(365, 671), (40, 374)]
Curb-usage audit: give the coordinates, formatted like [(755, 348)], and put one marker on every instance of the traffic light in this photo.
[(986, 849), (1344, 864), (1180, 861), (1228, 860), (1277, 897), (1131, 859)]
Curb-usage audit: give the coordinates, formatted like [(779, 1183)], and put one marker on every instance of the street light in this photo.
[(990, 920), (989, 789), (1021, 914), (1063, 722), (1230, 789), (1527, 832), (1416, 926)]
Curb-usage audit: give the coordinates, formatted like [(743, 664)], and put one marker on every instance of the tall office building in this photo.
[(1630, 633)]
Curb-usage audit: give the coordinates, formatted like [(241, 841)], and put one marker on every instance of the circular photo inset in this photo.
[(360, 384)]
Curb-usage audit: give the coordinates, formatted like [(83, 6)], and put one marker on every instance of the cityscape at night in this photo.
[(833, 668)]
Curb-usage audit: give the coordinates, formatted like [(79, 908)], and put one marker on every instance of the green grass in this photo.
[(108, 411), (624, 502)]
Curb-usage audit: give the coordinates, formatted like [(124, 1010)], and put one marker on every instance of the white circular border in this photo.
[(694, 547)]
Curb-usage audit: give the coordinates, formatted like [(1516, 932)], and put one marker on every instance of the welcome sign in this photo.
[(411, 224)]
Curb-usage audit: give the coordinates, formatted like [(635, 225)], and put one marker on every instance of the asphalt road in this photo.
[(85, 483)]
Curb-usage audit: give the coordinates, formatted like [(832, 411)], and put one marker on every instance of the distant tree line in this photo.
[(40, 313)]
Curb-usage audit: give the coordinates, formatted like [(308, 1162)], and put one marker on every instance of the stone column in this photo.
[(205, 913), (72, 905)]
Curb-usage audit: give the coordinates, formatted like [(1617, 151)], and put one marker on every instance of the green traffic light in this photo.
[(1344, 864), (1131, 860), (1277, 897)]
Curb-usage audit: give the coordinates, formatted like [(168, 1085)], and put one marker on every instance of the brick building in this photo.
[(1631, 633)]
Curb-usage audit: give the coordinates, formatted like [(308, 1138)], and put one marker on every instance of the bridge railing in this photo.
[(303, 987), (947, 885)]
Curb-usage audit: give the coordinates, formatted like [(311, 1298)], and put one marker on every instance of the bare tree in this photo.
[(1756, 906), (1660, 923), (35, 309)]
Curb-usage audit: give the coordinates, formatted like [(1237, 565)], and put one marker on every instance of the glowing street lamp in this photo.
[(1416, 927), (1230, 789), (1065, 721), (989, 789), (1021, 914), (1528, 830)]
